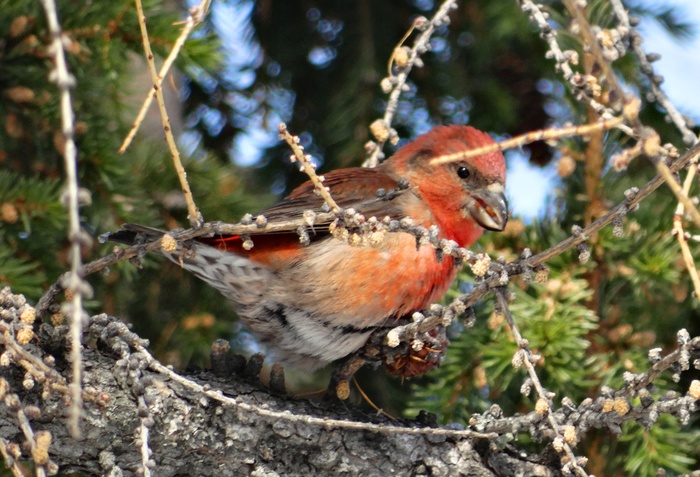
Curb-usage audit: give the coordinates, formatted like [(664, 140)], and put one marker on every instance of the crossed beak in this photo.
[(489, 207)]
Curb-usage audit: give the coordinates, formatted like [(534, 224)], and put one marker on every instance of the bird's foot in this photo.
[(339, 386), (225, 363)]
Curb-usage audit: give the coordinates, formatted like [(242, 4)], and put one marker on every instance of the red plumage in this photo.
[(317, 303)]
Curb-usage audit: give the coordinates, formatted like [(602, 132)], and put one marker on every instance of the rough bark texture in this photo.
[(192, 432)]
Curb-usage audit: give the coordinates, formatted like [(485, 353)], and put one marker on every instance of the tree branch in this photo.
[(203, 424)]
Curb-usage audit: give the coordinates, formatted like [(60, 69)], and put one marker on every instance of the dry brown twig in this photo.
[(196, 16), (681, 235), (530, 137), (193, 214), (307, 166), (10, 460)]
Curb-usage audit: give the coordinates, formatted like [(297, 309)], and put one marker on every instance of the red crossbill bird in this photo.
[(316, 303)]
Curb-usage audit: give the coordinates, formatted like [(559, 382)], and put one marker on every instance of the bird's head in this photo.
[(468, 190)]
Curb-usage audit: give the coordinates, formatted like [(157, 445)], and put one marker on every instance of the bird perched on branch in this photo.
[(317, 302)]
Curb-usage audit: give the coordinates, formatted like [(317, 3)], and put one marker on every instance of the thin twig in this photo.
[(143, 436), (645, 66), (530, 137), (74, 282), (325, 423), (307, 166), (676, 188), (41, 372), (397, 83), (196, 16), (686, 347), (527, 359), (10, 461), (563, 60), (29, 436), (380, 411), (193, 214), (680, 233)]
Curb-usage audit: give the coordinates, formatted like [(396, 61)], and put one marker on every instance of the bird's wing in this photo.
[(369, 191)]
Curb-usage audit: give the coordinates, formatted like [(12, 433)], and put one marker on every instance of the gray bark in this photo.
[(190, 433)]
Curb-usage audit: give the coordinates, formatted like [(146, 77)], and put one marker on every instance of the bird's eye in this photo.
[(463, 172)]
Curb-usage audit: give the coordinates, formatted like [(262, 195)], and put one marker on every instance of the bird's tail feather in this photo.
[(132, 234)]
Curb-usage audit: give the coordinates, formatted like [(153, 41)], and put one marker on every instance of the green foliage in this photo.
[(665, 445), (103, 45), (31, 219), (24, 276), (556, 323)]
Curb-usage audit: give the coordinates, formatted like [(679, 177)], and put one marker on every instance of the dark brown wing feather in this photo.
[(358, 188), (354, 187)]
